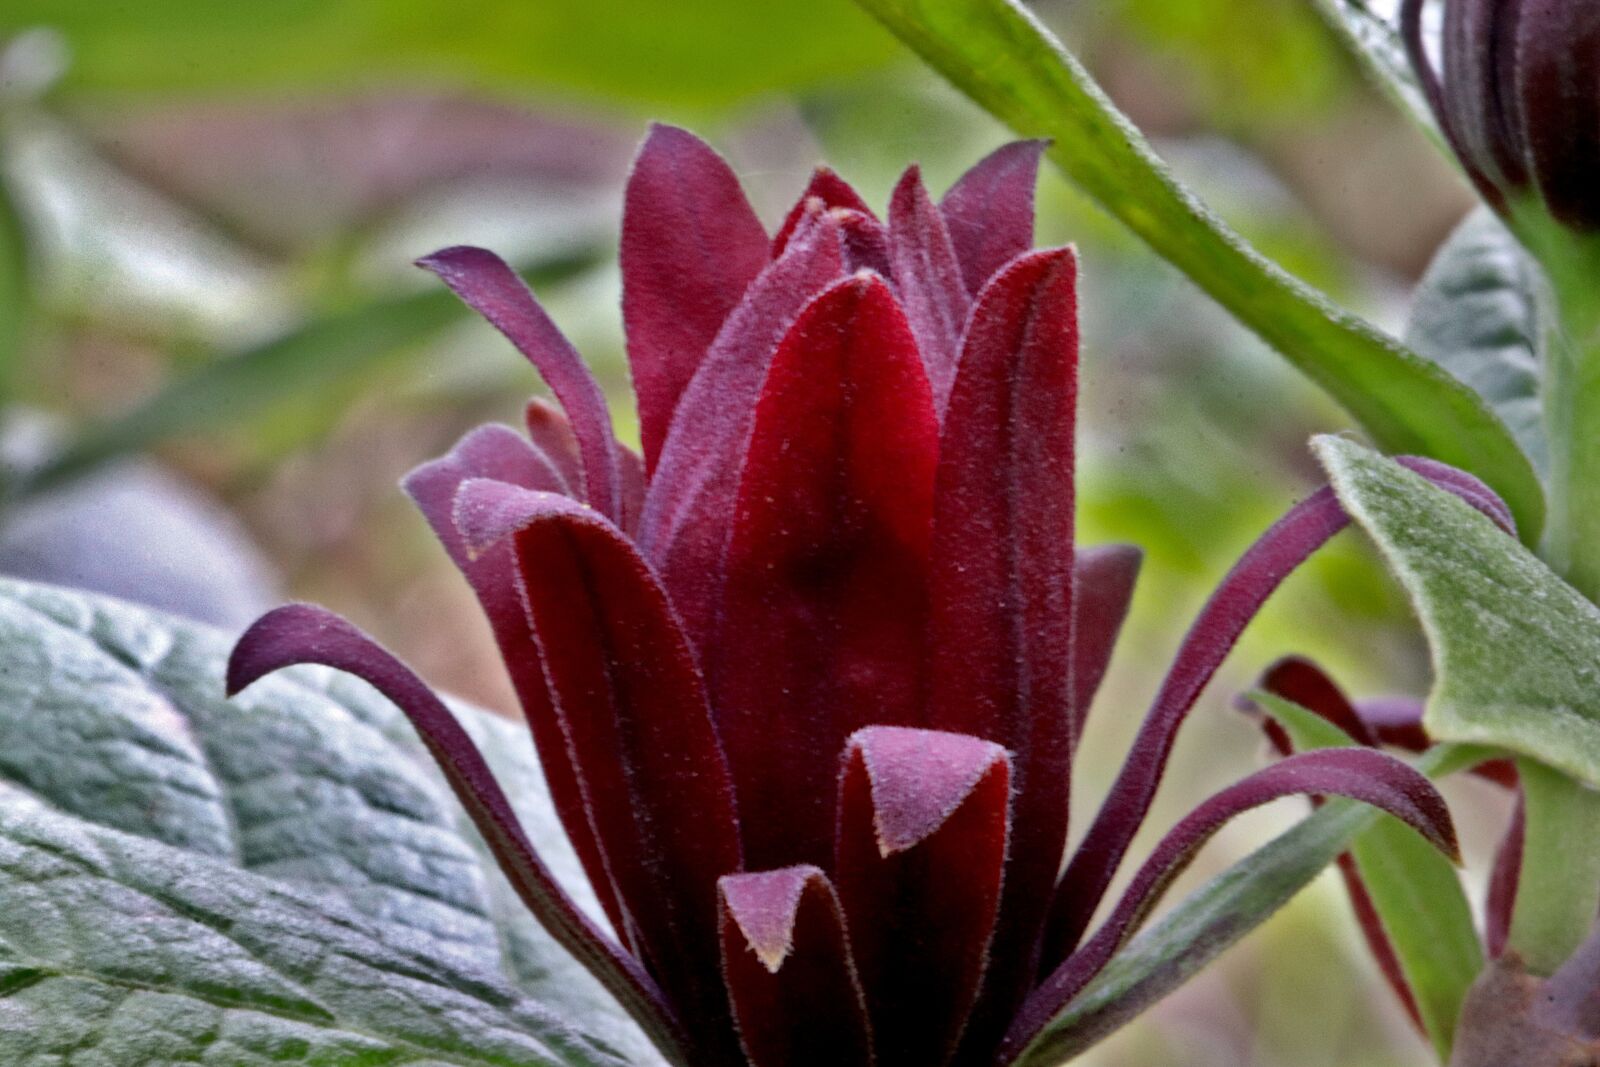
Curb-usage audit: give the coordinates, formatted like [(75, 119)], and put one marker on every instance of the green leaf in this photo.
[(300, 882), (709, 53), (1516, 650), (1415, 891), (322, 355), (1476, 314), (1005, 60), (1376, 42), (1212, 919), (16, 296)]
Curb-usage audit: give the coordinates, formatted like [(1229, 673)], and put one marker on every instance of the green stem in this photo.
[(1558, 894)]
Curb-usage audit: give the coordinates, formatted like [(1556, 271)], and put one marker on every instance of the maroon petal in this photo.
[(634, 717), (825, 190), (824, 602), (927, 277), (1000, 591), (1302, 682), (487, 285), (921, 853), (1557, 89), (1397, 721), (866, 242), (1103, 578), (630, 467), (1360, 774), (690, 246), (1306, 528), (1377, 939), (689, 505), (500, 454), (551, 434), (796, 997), (1504, 879), (989, 210), (303, 633)]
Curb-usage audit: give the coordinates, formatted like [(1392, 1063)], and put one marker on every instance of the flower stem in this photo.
[(1558, 893)]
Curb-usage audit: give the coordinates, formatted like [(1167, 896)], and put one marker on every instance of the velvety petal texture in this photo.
[(807, 673)]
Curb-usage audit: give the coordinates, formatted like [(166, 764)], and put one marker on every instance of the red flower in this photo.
[(806, 679)]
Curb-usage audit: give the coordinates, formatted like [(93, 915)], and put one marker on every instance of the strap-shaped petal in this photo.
[(689, 504), (1291, 540), (691, 244), (1298, 680), (866, 242), (1360, 774), (487, 285), (1557, 87), (633, 713), (923, 823), (927, 277), (303, 633), (501, 454), (796, 997), (825, 189), (1504, 879), (989, 210), (1104, 578), (1001, 590), (825, 592), (551, 434)]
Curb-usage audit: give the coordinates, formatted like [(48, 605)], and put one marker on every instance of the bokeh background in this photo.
[(216, 361)]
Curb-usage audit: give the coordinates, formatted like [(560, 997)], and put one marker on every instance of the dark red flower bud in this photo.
[(1518, 96)]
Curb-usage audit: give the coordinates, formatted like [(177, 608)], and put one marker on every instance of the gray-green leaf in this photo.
[(189, 879), (1477, 315), (1516, 650)]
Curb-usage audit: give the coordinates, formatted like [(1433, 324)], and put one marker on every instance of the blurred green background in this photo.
[(216, 361)]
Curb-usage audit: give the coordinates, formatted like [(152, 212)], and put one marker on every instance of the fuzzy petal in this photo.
[(634, 717), (989, 210), (486, 284), (302, 633), (825, 190), (923, 819), (1504, 879), (691, 244), (689, 505), (1557, 87), (927, 277), (1001, 590), (1360, 774), (1104, 578), (551, 434), (797, 999), (824, 603)]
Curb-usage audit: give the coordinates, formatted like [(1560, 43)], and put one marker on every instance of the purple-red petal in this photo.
[(797, 999), (927, 277), (989, 210), (302, 633), (825, 190), (1357, 773), (691, 244), (551, 434), (824, 601), (922, 841), (1504, 878), (486, 284), (1104, 578)]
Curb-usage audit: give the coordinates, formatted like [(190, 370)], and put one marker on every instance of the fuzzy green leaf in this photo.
[(1476, 314), (999, 55), (1516, 650), (301, 884)]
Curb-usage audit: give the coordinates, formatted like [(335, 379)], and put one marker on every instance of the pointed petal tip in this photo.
[(763, 904), (456, 257), (487, 511), (274, 641), (918, 778)]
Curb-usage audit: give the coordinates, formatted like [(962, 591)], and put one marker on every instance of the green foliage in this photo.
[(995, 52), (281, 877), (1476, 314), (1376, 43), (1415, 890), (15, 289), (709, 53)]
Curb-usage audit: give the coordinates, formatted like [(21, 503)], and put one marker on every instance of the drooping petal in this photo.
[(1103, 578), (691, 244), (1001, 604), (927, 277), (633, 714), (1504, 878), (302, 633), (487, 285), (551, 434), (825, 190), (1377, 939), (1360, 774), (1306, 528), (1302, 682), (923, 818), (1557, 94), (689, 505), (1397, 721), (501, 454), (824, 601), (796, 997), (989, 210)]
